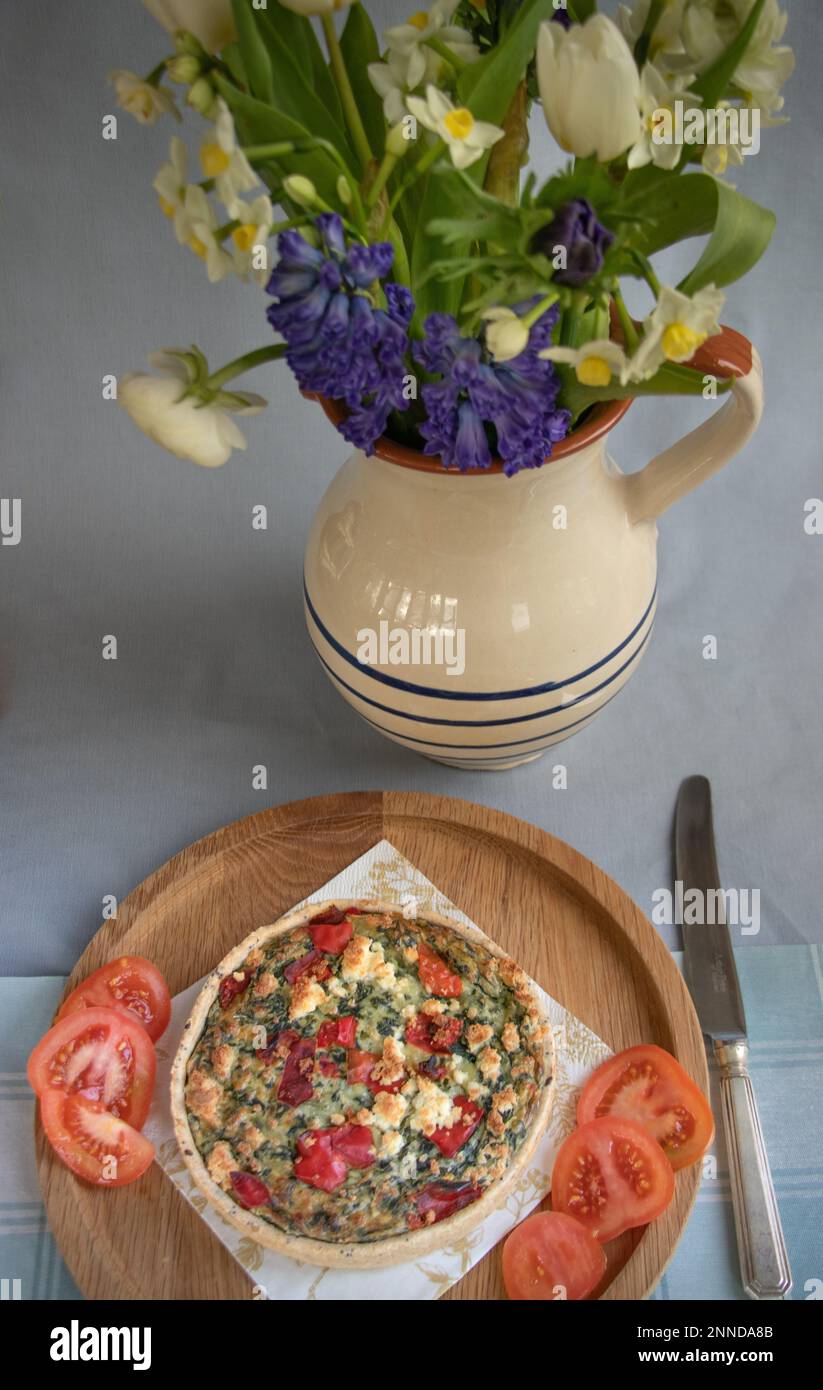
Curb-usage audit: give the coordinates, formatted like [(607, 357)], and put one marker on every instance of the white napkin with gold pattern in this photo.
[(383, 873)]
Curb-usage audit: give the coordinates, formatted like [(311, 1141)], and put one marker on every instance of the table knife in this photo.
[(712, 979)]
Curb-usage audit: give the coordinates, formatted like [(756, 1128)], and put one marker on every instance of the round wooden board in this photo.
[(570, 926)]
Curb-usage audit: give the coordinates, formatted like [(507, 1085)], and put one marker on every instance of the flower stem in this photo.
[(255, 358), (382, 176), (641, 48), (153, 78), (629, 330), (445, 52), (344, 87), (647, 273), (423, 164)]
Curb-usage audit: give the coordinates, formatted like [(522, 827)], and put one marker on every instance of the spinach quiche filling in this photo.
[(365, 1074)]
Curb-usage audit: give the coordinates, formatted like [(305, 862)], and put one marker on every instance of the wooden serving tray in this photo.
[(570, 926)]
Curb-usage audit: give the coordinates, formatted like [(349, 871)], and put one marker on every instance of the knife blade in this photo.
[(711, 975), (710, 971)]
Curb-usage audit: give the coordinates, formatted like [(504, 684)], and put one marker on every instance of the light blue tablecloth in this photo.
[(783, 989)]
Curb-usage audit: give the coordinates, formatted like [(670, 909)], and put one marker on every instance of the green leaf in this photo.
[(359, 45), (259, 124), (488, 85), (712, 84), (297, 33), (295, 94), (742, 231), (580, 10), (253, 51), (232, 58), (674, 207)]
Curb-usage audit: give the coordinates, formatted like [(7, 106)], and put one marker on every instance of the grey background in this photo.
[(108, 768)]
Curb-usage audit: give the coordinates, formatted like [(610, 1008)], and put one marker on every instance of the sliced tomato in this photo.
[(318, 1164), (131, 985), (648, 1085), (435, 975), (434, 1033), (312, 964), (102, 1055), (442, 1199), (550, 1257), (359, 1067), (337, 1032), (450, 1140), (331, 932), (296, 1085), (611, 1175), (92, 1142), (249, 1190)]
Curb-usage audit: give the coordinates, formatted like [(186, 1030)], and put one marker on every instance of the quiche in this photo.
[(357, 1087)]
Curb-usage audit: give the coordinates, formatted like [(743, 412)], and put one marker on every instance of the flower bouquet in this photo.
[(414, 271)]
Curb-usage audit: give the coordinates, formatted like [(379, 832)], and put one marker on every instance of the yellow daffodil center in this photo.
[(679, 341), (214, 160), (594, 371), (166, 207), (420, 19), (243, 237), (459, 123), (197, 246)]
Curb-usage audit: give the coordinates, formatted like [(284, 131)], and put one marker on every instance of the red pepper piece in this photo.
[(312, 964), (444, 1199), (230, 987), (296, 1081), (450, 1140), (434, 1033), (249, 1190)]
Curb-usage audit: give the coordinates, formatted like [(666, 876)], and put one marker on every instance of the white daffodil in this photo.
[(589, 87), (466, 138), (222, 160), (141, 99), (709, 27), (210, 21), (506, 333), (658, 96), (717, 159), (676, 328), (171, 185), (389, 81), (188, 428), (201, 224), (310, 7), (596, 363), (666, 37), (409, 42), (251, 238)]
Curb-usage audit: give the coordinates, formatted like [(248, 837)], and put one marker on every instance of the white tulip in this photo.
[(158, 405), (210, 21), (310, 7), (506, 334), (589, 87), (141, 99)]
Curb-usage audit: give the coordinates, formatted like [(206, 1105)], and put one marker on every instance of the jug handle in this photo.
[(703, 451)]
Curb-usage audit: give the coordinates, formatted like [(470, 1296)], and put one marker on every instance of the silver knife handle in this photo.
[(764, 1262)]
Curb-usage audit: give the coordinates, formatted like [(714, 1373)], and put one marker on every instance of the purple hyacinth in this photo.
[(586, 240), (517, 398), (341, 343)]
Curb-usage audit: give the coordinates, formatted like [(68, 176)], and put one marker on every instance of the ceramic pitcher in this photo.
[(546, 582)]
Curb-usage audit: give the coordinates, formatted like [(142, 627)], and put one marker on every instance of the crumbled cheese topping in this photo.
[(306, 996), (391, 1066), (510, 1037), (388, 1110), (221, 1161), (488, 1064), (222, 1059), (433, 1007), (433, 1109), (265, 986), (477, 1034), (363, 959), (390, 1144)]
